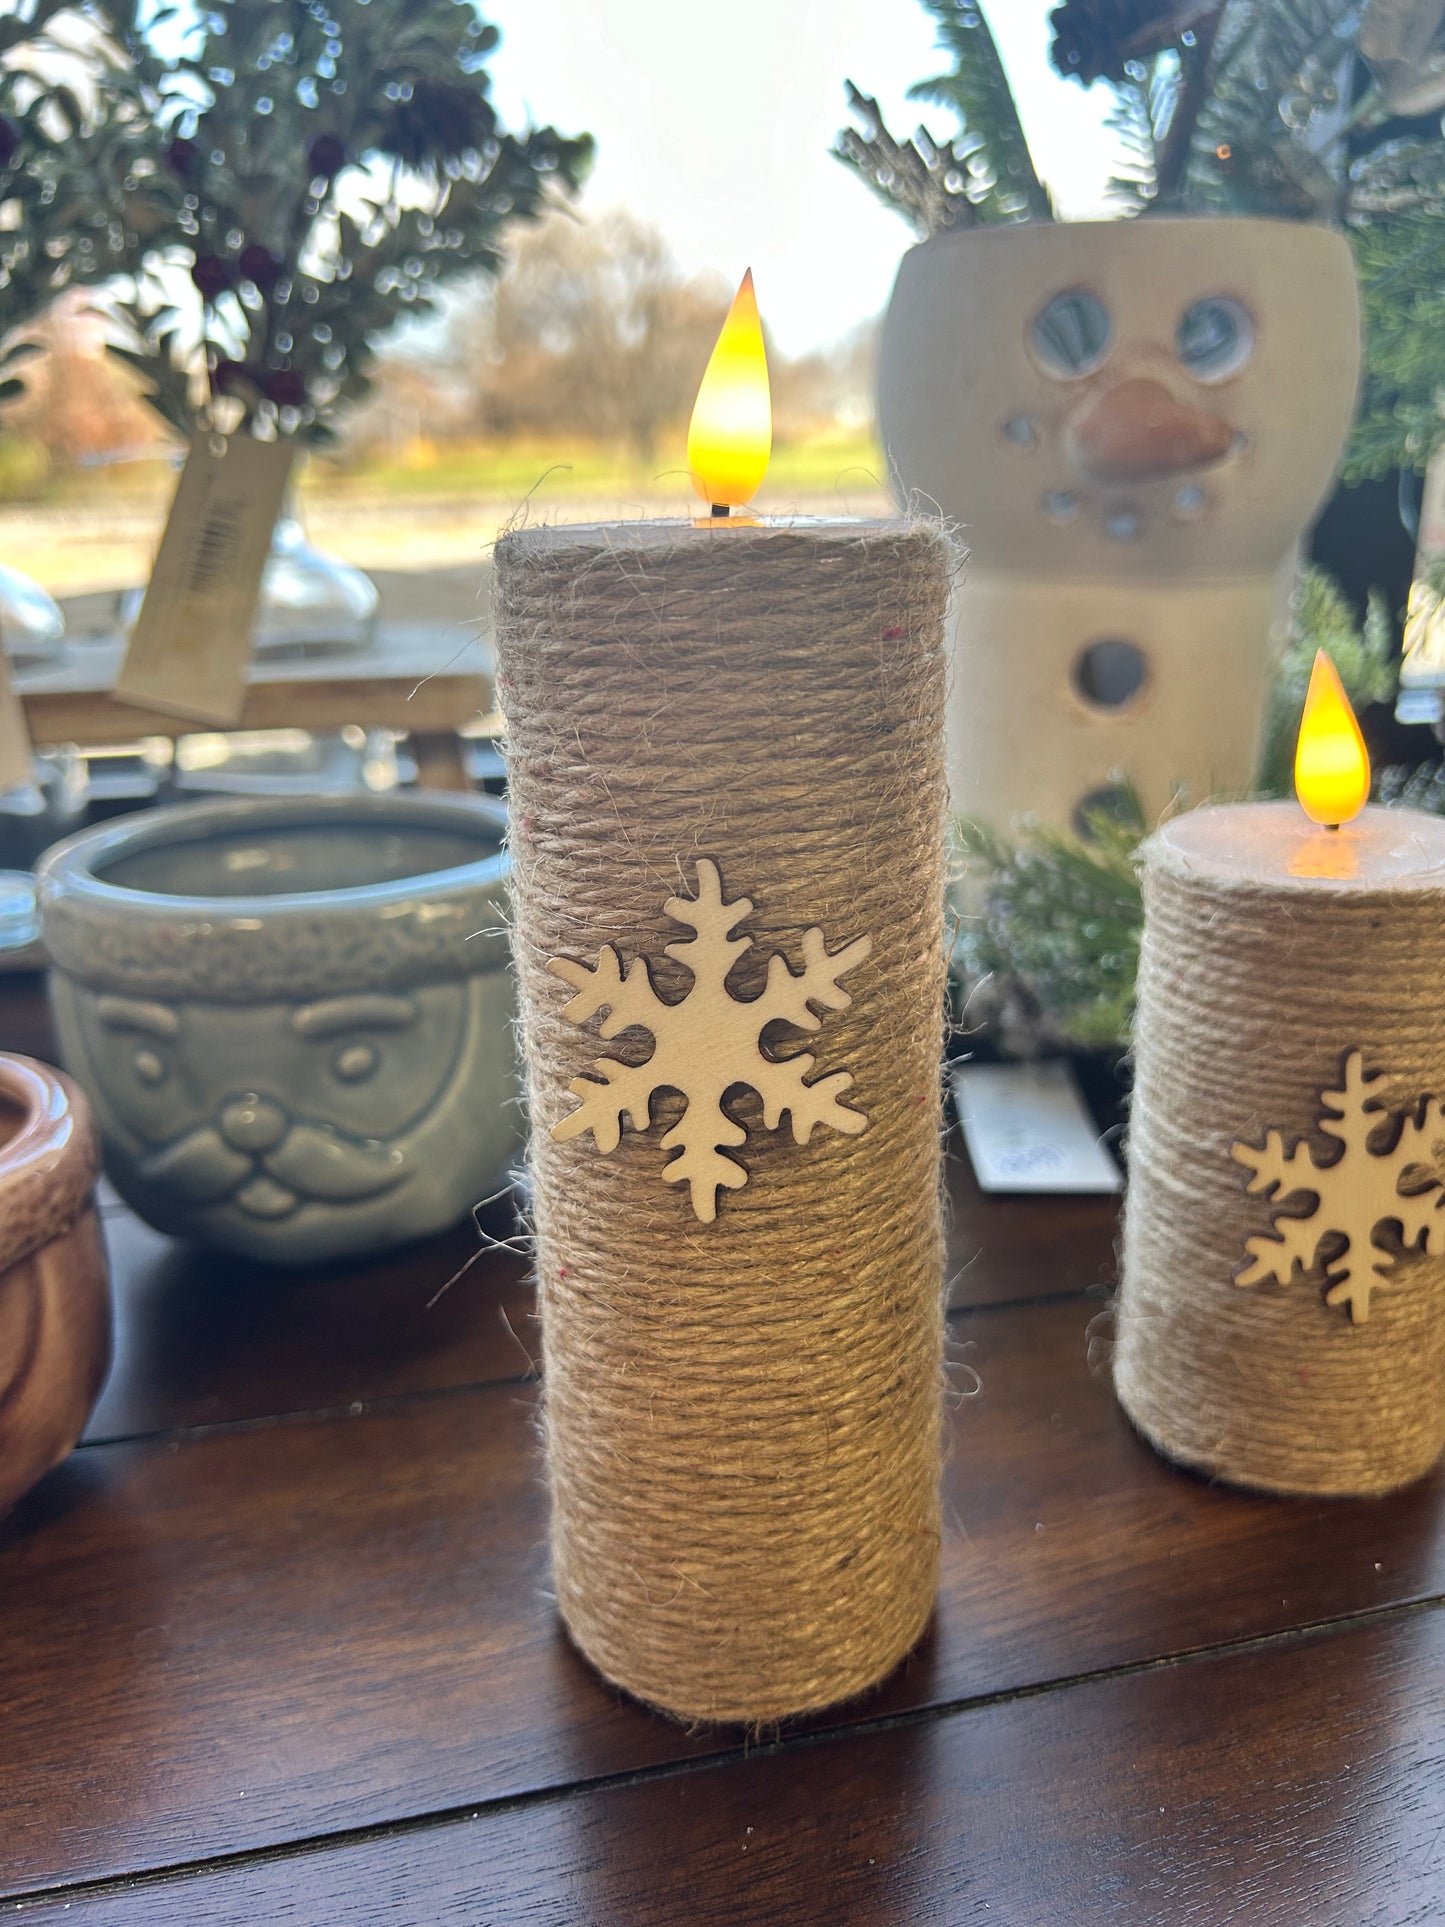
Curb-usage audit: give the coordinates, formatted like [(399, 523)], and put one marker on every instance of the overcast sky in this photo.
[(713, 122)]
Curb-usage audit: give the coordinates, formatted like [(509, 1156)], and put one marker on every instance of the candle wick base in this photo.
[(721, 508)]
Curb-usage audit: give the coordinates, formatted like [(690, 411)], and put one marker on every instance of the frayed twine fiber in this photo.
[(742, 1419), (1249, 996)]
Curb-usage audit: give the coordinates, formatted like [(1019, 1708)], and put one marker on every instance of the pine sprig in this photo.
[(1057, 935), (1402, 283), (1141, 107), (1321, 617), (1003, 183), (27, 24), (1267, 139), (921, 179)]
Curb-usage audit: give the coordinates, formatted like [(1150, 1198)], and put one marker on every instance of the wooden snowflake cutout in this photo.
[(708, 1042), (1356, 1195)]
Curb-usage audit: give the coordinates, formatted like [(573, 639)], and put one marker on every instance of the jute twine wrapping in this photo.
[(1250, 994), (742, 1419)]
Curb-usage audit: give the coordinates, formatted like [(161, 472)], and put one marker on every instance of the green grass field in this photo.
[(510, 471), (439, 506)]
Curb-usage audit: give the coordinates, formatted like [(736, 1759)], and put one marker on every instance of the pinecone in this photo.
[(437, 120), (1091, 36)]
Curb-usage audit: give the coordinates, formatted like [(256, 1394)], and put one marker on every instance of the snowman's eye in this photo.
[(1071, 335), (1215, 338)]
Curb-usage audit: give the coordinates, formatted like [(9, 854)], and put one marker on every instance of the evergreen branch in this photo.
[(1005, 183), (1132, 121), (26, 25), (1190, 97), (1321, 618), (1058, 931), (1401, 265), (920, 179), (1274, 79)]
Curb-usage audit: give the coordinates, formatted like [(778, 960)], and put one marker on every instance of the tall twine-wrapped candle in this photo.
[(1289, 1045), (742, 1415)]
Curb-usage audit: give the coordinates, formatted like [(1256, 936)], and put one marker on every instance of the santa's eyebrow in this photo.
[(349, 1013), (130, 1013)]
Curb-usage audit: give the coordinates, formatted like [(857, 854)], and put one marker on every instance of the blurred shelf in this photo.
[(420, 676)]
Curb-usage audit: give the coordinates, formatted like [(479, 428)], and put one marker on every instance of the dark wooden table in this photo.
[(276, 1644)]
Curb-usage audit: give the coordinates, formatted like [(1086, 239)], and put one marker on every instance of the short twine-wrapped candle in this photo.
[(742, 1416), (1290, 983)]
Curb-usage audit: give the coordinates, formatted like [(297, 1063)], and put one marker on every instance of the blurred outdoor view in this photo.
[(565, 385)]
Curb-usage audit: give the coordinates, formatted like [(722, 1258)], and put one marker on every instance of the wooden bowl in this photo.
[(55, 1318)]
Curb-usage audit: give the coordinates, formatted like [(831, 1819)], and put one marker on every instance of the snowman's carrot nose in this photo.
[(1138, 431)]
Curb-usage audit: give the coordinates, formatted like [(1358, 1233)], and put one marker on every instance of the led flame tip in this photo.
[(1331, 763), (730, 437)]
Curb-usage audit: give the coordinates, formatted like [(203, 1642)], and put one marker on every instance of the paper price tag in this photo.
[(17, 759), (191, 646), (1027, 1128)]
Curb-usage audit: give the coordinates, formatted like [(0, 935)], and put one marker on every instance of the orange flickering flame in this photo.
[(1331, 763), (730, 436)]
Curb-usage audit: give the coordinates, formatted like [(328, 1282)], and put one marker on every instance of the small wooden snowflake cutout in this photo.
[(1356, 1195), (708, 1042)]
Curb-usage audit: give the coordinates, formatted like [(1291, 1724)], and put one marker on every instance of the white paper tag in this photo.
[(191, 646), (17, 760), (1027, 1129)]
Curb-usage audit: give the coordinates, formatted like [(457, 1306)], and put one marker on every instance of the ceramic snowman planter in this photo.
[(293, 1015), (1134, 420), (54, 1285)]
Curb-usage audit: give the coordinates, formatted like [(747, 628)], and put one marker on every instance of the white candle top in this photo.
[(664, 532), (1275, 846)]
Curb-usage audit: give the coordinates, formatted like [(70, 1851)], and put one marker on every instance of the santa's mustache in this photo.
[(311, 1161)]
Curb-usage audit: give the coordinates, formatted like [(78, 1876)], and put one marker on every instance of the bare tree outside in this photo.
[(573, 371), (594, 331)]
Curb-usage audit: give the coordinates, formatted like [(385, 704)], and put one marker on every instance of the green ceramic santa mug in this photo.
[(293, 1016)]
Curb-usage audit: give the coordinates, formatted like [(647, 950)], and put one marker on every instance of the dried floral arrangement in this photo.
[(335, 165)]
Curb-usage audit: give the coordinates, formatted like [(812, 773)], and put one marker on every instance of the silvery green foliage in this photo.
[(338, 162), (81, 193)]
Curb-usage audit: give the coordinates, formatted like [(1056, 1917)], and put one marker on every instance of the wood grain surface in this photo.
[(207, 1339), (276, 1643), (297, 1626), (1290, 1786)]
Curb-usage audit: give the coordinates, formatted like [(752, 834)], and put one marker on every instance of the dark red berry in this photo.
[(182, 156), (211, 275), (260, 265), (325, 156), (9, 140), (287, 388)]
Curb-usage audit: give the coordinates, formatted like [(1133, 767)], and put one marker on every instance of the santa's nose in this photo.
[(252, 1123), (1138, 431)]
